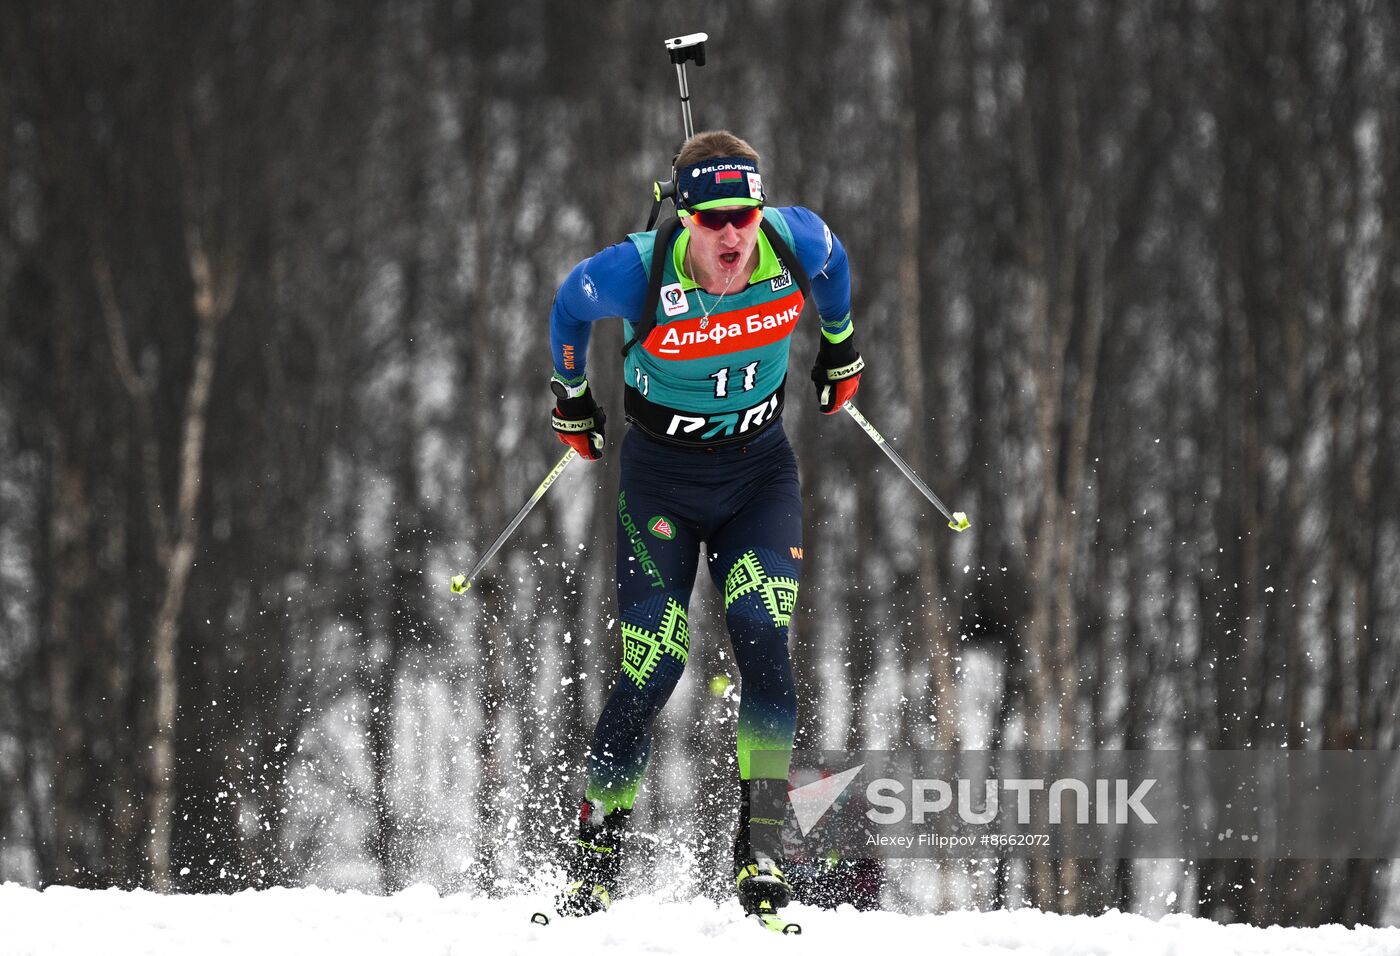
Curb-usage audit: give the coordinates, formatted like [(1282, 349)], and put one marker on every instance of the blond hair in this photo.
[(713, 144)]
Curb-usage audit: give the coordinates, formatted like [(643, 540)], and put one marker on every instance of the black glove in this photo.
[(836, 374), (578, 420)]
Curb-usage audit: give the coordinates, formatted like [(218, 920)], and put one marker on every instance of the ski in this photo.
[(597, 902), (769, 918)]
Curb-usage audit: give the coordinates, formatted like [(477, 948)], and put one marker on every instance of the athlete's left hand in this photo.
[(837, 375)]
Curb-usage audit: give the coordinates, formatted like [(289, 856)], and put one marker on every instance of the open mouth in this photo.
[(730, 259)]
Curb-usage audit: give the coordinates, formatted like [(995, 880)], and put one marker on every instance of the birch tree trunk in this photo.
[(176, 537)]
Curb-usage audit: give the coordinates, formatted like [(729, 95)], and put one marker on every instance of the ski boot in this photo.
[(758, 848), (596, 862)]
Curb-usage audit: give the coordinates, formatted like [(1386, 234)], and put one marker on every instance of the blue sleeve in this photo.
[(611, 283), (824, 258)]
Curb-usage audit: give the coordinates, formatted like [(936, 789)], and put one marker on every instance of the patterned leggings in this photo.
[(743, 504)]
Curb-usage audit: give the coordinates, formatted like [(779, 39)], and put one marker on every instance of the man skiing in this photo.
[(709, 306)]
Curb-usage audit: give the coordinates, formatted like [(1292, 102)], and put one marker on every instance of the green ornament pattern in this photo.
[(779, 594), (642, 649)]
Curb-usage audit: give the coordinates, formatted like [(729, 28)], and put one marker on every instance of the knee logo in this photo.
[(643, 646), (755, 591)]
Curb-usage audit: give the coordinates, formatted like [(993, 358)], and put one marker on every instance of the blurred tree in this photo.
[(273, 297)]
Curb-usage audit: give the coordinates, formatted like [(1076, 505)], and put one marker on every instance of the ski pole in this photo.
[(957, 520), (462, 582)]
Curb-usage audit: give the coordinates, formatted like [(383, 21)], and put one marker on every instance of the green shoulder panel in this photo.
[(644, 243), (775, 217)]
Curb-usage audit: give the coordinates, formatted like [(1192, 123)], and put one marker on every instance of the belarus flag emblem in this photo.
[(728, 176)]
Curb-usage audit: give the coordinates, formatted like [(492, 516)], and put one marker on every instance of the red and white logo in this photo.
[(726, 332), (673, 299)]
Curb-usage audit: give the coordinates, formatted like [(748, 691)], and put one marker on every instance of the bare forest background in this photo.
[(274, 286)]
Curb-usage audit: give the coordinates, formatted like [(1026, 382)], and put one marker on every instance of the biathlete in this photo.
[(709, 303)]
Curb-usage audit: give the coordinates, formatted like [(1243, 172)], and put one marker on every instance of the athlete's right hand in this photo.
[(578, 419)]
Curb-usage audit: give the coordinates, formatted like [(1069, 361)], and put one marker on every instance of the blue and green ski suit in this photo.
[(706, 463)]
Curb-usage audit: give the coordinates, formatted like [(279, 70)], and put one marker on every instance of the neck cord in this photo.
[(715, 305)]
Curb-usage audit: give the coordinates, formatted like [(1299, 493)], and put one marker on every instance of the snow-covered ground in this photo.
[(418, 921)]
